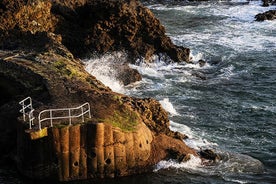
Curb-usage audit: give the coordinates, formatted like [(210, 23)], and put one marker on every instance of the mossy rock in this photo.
[(125, 120)]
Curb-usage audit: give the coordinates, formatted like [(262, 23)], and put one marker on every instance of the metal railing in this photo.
[(27, 110), (85, 108)]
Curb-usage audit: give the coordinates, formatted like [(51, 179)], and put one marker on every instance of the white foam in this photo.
[(239, 163), (242, 13), (181, 128), (200, 143), (236, 181), (259, 107), (194, 140), (235, 28), (159, 68), (103, 69), (196, 57), (193, 164), (149, 69), (168, 106), (227, 72)]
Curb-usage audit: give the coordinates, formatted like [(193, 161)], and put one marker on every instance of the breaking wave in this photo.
[(104, 69), (168, 106)]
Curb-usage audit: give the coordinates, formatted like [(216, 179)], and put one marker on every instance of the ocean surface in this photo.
[(228, 105)]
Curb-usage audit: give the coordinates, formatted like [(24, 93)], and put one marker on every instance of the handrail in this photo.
[(51, 118), (31, 118), (25, 111)]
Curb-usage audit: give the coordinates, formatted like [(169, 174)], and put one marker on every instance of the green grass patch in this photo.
[(65, 69), (126, 120)]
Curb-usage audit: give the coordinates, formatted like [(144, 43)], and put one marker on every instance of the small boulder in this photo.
[(265, 3), (128, 75), (268, 15), (209, 155)]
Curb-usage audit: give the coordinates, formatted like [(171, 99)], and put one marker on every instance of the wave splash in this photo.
[(168, 106), (104, 69), (231, 168)]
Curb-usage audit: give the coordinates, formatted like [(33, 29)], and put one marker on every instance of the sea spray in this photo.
[(168, 106), (104, 69), (194, 163), (194, 140)]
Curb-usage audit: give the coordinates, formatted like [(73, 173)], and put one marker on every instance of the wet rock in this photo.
[(269, 15), (209, 155), (177, 135), (267, 3), (201, 62), (180, 157), (199, 75), (128, 75)]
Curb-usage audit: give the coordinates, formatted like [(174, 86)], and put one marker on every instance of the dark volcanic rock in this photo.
[(127, 75), (268, 2), (269, 15), (85, 27), (209, 155)]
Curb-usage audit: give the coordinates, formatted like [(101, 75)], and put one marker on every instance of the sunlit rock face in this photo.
[(88, 26)]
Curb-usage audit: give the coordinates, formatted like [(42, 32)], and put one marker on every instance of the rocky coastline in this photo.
[(42, 44), (41, 47)]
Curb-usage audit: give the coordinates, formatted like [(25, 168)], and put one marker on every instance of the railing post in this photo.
[(23, 110), (39, 124), (82, 115), (29, 107), (89, 113), (70, 121), (31, 119), (30, 124), (31, 103), (51, 116)]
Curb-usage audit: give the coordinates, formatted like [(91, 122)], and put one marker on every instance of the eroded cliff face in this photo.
[(88, 26), (40, 45)]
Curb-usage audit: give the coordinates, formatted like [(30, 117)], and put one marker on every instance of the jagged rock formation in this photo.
[(88, 26), (269, 15), (268, 2), (40, 43)]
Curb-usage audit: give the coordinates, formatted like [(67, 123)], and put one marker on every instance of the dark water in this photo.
[(233, 111)]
